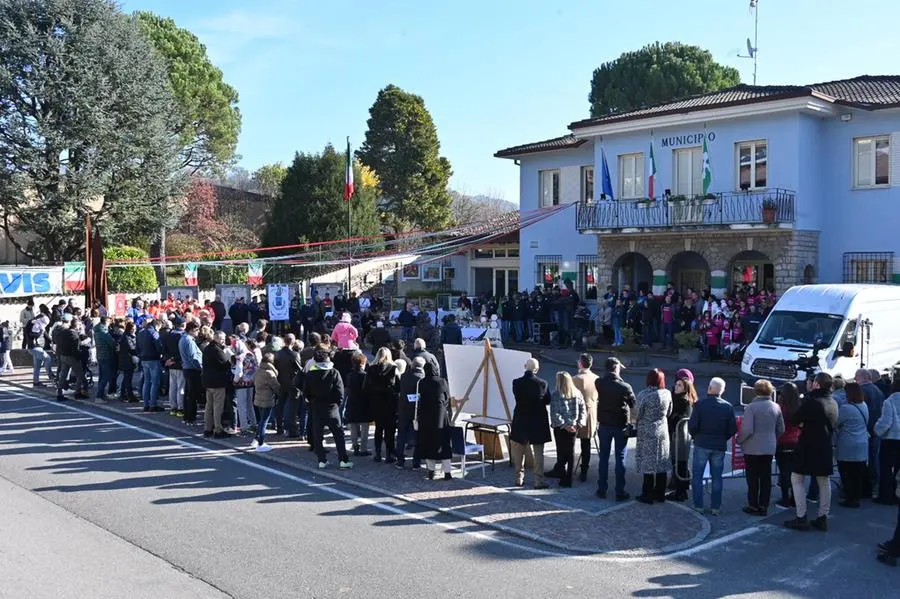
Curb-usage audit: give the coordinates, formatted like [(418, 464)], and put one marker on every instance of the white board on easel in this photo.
[(464, 361)]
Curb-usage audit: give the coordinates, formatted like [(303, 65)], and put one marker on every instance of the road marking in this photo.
[(238, 457)]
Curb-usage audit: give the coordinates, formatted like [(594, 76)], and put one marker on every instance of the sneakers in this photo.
[(265, 447), (323, 465), (173, 412), (254, 444), (346, 465)]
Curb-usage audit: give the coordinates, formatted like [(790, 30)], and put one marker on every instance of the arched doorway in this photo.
[(688, 270), (634, 270), (752, 268)]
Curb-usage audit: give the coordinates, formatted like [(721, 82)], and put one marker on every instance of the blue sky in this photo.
[(493, 73)]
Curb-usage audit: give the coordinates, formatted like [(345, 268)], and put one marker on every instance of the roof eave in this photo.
[(513, 153)]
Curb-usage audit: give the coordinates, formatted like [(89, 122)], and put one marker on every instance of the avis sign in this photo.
[(19, 282)]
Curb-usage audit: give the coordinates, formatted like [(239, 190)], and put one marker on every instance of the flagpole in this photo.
[(349, 229)]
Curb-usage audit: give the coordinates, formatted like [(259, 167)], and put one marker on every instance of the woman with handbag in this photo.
[(431, 421), (852, 447), (568, 413)]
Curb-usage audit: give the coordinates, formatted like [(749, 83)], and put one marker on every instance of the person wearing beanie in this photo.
[(324, 389)]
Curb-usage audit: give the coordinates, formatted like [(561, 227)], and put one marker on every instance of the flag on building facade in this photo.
[(348, 181), (190, 274), (707, 169), (651, 173), (606, 181), (74, 276), (255, 273)]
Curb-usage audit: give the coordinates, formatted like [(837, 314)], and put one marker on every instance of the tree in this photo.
[(201, 216), (311, 206), (655, 74), (208, 120), (467, 209), (128, 279), (402, 147), (84, 128), (267, 179)]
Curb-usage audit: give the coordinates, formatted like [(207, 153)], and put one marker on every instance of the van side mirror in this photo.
[(847, 350)]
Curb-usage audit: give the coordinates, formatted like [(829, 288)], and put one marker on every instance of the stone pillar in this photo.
[(659, 282), (717, 283)]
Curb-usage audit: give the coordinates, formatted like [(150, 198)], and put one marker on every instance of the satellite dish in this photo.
[(750, 49)]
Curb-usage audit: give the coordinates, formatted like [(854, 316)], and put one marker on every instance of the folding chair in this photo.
[(462, 448)]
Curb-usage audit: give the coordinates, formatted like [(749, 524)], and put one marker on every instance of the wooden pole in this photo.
[(499, 384)]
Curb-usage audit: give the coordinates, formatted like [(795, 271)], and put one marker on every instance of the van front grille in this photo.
[(774, 369)]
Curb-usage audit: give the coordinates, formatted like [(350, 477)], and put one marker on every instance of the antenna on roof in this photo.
[(753, 48)]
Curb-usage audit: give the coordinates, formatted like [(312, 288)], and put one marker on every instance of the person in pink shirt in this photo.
[(344, 333), (713, 339)]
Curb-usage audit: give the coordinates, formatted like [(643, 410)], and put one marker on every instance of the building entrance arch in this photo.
[(633, 270), (752, 268), (688, 270)]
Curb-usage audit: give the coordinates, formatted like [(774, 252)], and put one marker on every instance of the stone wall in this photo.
[(789, 251)]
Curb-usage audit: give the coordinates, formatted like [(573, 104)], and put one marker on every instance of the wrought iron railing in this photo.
[(770, 206)]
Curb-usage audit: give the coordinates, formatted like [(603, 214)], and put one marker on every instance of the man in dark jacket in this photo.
[(67, 343), (615, 400), (106, 358), (817, 416), (288, 364), (325, 390), (711, 425), (215, 375), (379, 337), (451, 333), (150, 353), (406, 408), (874, 403), (172, 357), (218, 309), (420, 351), (530, 428), (239, 312)]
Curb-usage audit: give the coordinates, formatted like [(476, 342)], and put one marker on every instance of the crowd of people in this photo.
[(295, 385)]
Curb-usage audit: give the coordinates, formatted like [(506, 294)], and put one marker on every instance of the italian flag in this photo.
[(348, 181), (651, 175), (73, 276)]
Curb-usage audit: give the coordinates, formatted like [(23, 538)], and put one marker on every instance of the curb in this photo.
[(705, 527)]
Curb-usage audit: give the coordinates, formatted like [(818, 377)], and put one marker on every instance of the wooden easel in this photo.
[(486, 361)]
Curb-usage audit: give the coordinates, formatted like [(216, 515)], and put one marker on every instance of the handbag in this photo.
[(416, 400), (630, 431)]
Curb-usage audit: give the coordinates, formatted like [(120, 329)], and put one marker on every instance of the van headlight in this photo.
[(748, 358)]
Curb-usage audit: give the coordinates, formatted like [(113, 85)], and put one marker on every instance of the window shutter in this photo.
[(895, 159), (569, 184)]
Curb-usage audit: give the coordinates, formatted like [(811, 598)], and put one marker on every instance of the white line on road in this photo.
[(235, 456)]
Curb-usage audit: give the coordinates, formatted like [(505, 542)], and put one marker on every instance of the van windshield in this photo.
[(799, 329)]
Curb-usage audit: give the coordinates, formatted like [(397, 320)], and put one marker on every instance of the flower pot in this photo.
[(689, 355), (644, 204), (768, 215), (709, 201)]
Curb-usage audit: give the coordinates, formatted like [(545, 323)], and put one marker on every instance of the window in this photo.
[(631, 176), (549, 188), (587, 184), (547, 271), (512, 252), (871, 161), (482, 253), (588, 273), (752, 169), (506, 281), (868, 267), (500, 253), (688, 169)]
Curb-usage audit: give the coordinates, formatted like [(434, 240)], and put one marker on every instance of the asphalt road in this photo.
[(108, 508)]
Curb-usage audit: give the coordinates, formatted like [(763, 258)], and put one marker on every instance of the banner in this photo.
[(19, 282), (73, 275), (228, 294), (190, 274), (255, 273), (279, 297), (120, 304), (738, 462)]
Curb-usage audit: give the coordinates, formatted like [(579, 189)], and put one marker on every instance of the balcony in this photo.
[(770, 207)]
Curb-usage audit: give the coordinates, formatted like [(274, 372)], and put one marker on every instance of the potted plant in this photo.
[(646, 203), (769, 211), (688, 346), (634, 354), (709, 199), (679, 199)]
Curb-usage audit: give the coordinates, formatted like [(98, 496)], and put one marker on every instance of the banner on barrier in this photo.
[(19, 282)]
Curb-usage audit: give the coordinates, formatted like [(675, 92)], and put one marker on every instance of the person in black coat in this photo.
[(432, 417), (216, 376), (288, 364), (378, 337), (324, 388), (451, 333), (358, 412), (382, 388), (218, 311), (816, 417), (406, 408), (127, 361), (530, 428)]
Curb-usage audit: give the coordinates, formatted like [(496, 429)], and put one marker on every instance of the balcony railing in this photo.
[(763, 207)]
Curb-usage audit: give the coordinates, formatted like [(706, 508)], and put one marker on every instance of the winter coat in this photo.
[(323, 388), (381, 388), (679, 437), (451, 334), (149, 345), (530, 423), (761, 426), (127, 351), (106, 346), (433, 417), (586, 382), (615, 400), (265, 382), (191, 356), (216, 372), (852, 433), (408, 384), (288, 364), (171, 351), (567, 411), (712, 423), (888, 424), (358, 404), (817, 416), (653, 406), (429, 358)]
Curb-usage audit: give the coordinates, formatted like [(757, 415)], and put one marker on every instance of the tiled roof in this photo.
[(867, 92), (557, 143)]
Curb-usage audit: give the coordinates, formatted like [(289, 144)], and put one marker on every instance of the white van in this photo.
[(854, 326)]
